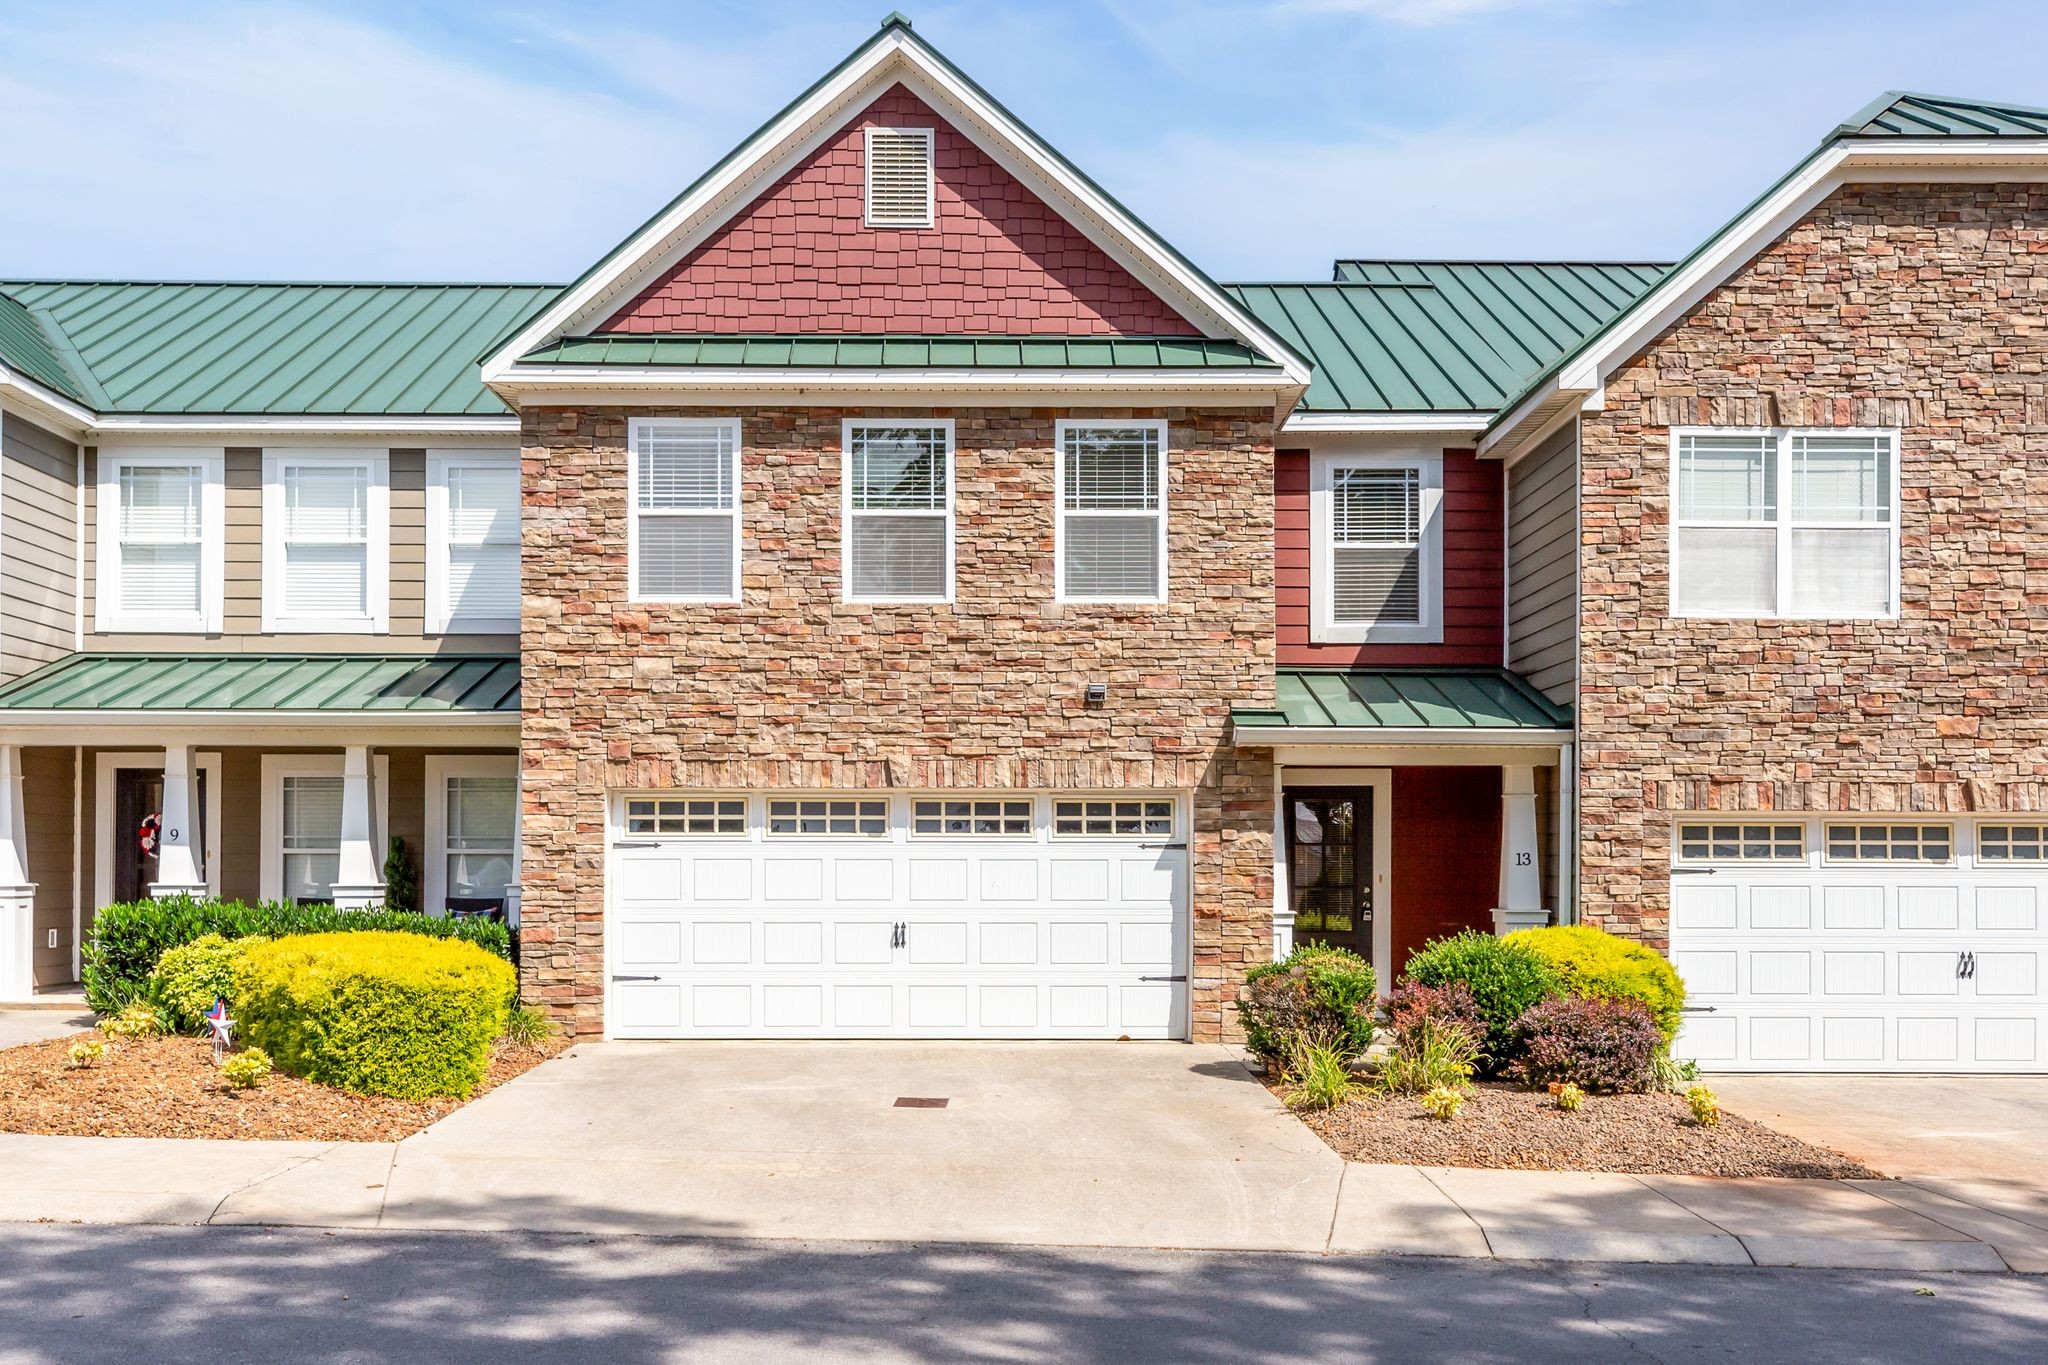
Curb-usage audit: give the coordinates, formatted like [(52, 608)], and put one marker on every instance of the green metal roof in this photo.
[(1404, 699), (25, 347), (910, 352), (1440, 336), (1903, 113), (226, 349), (437, 684)]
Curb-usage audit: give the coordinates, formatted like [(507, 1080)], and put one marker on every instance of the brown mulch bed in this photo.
[(1507, 1127), (168, 1088)]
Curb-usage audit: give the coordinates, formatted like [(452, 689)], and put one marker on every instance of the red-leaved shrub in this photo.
[(1593, 1044), (1450, 1005)]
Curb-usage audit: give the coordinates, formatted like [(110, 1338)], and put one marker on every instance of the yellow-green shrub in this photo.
[(377, 1013), (1594, 963), (187, 979)]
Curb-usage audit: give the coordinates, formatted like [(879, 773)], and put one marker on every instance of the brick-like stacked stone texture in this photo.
[(998, 261), (1916, 307), (793, 688)]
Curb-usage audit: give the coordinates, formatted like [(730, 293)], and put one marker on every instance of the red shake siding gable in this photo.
[(1473, 569), (802, 259)]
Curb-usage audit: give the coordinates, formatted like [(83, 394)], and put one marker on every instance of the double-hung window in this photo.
[(684, 493), (1377, 551), (472, 846), (1111, 530), (310, 847), (160, 537), (1785, 524), (326, 541), (899, 511), (472, 542)]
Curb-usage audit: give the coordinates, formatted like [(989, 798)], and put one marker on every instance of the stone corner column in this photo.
[(359, 878), (17, 892), (1520, 901), (180, 861)]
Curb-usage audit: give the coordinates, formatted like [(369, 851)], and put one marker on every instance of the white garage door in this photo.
[(1865, 943), (944, 916)]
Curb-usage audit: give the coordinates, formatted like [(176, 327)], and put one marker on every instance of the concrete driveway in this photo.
[(1063, 1143)]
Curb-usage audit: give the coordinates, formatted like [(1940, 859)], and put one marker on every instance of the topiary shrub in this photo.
[(1595, 963), (1505, 979), (1593, 1044), (187, 979), (1319, 995), (378, 1013), (127, 940)]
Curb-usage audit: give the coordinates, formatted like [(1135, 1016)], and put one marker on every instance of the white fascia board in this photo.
[(41, 723), (46, 407), (198, 424), (566, 384), (808, 125), (1434, 423), (1272, 736)]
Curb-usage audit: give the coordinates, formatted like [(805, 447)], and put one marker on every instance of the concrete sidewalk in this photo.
[(545, 1153)]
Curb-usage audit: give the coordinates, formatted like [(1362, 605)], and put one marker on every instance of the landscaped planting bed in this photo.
[(1507, 1126), (168, 1087)]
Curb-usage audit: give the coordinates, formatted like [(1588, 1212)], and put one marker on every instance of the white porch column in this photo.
[(518, 847), (359, 880), (1283, 888), (180, 861), (1520, 904), (17, 892)]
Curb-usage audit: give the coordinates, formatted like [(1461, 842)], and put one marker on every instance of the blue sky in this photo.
[(210, 138)]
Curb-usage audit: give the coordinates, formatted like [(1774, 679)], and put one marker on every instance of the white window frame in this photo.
[(847, 513), (972, 799), (1781, 437), (1060, 428), (628, 833), (441, 619), (376, 620), (634, 426), (1737, 823), (1324, 628), (1827, 854), (931, 179), (887, 835), (1112, 799), (106, 770), (108, 612), (270, 822), (441, 767)]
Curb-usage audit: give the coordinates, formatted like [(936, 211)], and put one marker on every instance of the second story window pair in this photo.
[(306, 535), (896, 510)]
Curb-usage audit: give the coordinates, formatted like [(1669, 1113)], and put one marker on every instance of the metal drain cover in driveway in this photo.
[(918, 1102)]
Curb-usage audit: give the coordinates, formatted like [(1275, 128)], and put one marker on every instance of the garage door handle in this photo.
[(636, 843), (636, 978), (1162, 978)]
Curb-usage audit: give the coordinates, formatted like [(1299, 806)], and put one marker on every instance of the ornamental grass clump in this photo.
[(1319, 995), (1504, 977), (1592, 962), (1436, 1032), (1593, 1044), (376, 1013), (1321, 1079)]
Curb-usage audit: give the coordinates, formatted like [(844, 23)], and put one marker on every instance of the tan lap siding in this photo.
[(38, 547), (46, 788)]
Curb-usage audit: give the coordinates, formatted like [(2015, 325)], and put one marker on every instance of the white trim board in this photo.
[(895, 57), (105, 764)]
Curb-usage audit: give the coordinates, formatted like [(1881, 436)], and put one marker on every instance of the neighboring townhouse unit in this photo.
[(895, 593)]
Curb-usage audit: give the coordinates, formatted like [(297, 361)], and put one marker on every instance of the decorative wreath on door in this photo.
[(150, 835)]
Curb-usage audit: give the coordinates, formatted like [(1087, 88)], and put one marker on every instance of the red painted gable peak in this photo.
[(801, 258)]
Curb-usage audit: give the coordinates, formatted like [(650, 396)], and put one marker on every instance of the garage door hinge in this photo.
[(1162, 978)]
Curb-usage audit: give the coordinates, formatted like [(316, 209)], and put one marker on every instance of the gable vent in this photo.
[(900, 177)]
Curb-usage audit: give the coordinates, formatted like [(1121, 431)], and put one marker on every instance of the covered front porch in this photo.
[(249, 778), (1412, 803)]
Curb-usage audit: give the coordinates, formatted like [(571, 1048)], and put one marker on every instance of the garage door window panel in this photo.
[(1890, 843), (1112, 819), (1702, 842), (841, 819), (971, 819), (713, 817), (2012, 843)]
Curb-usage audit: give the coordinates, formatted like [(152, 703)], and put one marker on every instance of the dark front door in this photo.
[(139, 794), (1329, 866)]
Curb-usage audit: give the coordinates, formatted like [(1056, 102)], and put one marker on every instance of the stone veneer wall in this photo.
[(1916, 307), (793, 688)]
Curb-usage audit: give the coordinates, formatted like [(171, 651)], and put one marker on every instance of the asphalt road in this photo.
[(217, 1295)]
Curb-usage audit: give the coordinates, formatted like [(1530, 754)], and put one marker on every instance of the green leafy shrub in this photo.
[(401, 879), (139, 1020), (1705, 1106), (127, 940), (187, 979), (382, 1013), (88, 1052), (1505, 979), (1442, 1103), (1320, 995), (245, 1070), (528, 1025), (1596, 963), (1436, 1032), (1320, 1077), (1593, 1044)]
